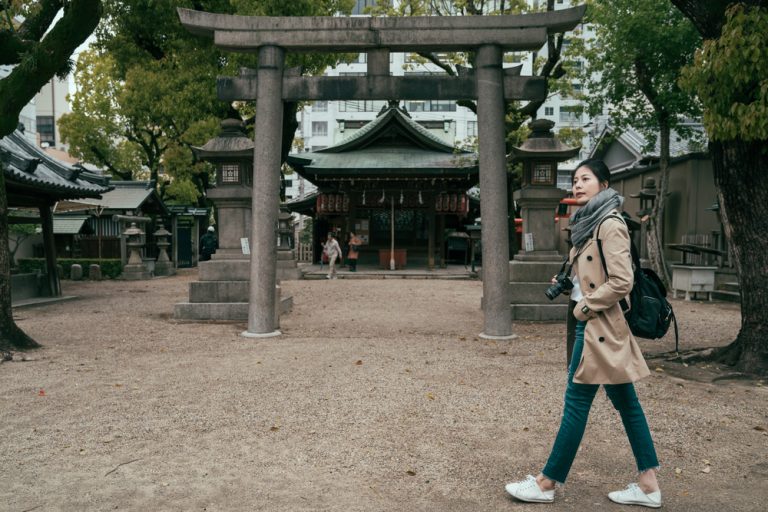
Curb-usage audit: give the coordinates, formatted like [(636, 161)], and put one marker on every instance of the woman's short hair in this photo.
[(598, 168)]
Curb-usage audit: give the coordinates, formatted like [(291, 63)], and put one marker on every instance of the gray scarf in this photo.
[(584, 221)]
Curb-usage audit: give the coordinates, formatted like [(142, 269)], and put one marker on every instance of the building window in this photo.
[(570, 114), (361, 106), (549, 111), (471, 128), (319, 128), (47, 130), (320, 106), (431, 106)]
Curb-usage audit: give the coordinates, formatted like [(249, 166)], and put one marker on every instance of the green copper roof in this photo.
[(390, 145)]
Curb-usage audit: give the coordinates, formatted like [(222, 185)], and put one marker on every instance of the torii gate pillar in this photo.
[(266, 193), (493, 187)]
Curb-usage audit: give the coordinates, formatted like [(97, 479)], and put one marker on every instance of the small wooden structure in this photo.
[(36, 181)]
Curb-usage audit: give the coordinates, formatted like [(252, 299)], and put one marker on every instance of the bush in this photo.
[(110, 268)]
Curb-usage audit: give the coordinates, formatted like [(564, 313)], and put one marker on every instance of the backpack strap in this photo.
[(623, 301)]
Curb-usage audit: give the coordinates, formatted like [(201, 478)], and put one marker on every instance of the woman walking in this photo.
[(354, 251), (605, 352), (333, 250)]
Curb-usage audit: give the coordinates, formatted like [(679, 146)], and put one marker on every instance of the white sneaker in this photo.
[(528, 490), (633, 495)]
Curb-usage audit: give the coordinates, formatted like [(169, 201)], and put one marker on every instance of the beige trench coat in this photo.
[(611, 354)]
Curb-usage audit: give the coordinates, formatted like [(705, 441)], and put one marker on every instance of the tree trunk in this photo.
[(10, 335), (656, 219), (741, 173)]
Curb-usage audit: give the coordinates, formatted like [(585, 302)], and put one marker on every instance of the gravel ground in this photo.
[(378, 397)]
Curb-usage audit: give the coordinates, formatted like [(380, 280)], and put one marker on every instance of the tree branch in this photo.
[(45, 59), (34, 27)]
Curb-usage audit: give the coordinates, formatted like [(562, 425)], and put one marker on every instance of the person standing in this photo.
[(605, 352), (354, 251), (208, 244), (333, 250)]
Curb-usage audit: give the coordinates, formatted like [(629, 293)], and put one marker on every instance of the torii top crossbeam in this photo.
[(417, 33)]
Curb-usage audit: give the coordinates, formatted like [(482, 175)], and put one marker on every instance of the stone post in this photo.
[(493, 186), (266, 193)]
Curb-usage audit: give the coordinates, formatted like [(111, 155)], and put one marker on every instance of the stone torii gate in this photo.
[(488, 83)]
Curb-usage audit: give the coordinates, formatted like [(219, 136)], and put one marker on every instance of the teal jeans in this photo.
[(578, 402)]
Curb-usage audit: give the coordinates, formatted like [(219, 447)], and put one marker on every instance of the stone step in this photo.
[(221, 310), (219, 291), (540, 312), (224, 270), (532, 271), (385, 274), (533, 293)]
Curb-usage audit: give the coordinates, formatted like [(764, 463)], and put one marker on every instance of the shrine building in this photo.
[(395, 185)]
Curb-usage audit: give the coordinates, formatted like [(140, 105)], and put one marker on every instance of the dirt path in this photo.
[(378, 397)]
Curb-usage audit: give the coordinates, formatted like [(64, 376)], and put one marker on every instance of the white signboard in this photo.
[(528, 242), (244, 244)]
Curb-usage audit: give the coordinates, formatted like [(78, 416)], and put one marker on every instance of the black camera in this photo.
[(562, 284)]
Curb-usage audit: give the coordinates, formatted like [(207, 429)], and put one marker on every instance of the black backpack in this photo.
[(651, 313)]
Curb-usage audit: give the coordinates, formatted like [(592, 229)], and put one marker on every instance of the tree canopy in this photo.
[(634, 62), (730, 77), (147, 89)]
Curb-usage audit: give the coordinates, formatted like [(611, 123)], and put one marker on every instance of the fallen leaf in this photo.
[(525, 429), (274, 429), (359, 362), (463, 338), (658, 369), (118, 385), (706, 461), (41, 392), (503, 353), (430, 396), (678, 471), (706, 469), (760, 429), (410, 472)]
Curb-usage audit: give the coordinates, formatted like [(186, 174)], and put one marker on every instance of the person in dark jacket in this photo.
[(208, 244)]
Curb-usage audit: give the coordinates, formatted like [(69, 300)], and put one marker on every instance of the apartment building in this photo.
[(324, 123)]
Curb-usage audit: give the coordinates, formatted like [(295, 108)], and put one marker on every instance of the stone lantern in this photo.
[(222, 291), (232, 154), (163, 265), (647, 196), (538, 260), (134, 269), (539, 195), (287, 266)]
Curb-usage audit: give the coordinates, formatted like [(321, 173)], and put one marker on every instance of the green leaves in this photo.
[(730, 77), (634, 62)]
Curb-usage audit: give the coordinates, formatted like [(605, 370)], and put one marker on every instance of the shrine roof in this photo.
[(132, 195), (29, 170), (390, 145)]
